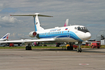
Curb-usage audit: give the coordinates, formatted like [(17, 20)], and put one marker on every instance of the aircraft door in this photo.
[(68, 33)]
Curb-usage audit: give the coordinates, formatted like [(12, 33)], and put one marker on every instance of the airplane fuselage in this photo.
[(72, 33)]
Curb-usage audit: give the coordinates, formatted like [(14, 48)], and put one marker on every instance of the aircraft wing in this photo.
[(29, 40)]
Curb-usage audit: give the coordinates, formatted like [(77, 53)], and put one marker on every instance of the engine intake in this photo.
[(32, 34)]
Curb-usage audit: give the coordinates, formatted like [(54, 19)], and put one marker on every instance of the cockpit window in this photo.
[(83, 29)]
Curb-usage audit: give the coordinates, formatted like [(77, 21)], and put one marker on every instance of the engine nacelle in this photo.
[(32, 34)]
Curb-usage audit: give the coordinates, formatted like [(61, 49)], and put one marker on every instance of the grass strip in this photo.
[(44, 47)]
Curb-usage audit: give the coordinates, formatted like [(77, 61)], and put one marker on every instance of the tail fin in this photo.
[(36, 20), (66, 23), (5, 37), (37, 24)]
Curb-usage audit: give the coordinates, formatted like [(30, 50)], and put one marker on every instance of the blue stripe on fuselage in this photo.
[(74, 36), (60, 34)]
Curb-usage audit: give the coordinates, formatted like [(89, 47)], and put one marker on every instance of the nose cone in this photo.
[(87, 36)]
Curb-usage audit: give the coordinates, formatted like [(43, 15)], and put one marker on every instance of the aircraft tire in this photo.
[(79, 50), (69, 48), (28, 48)]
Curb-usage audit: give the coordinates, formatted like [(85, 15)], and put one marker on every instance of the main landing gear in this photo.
[(79, 48), (69, 46), (28, 47)]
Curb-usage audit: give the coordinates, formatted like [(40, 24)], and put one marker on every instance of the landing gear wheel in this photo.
[(57, 44), (69, 47), (79, 50), (28, 47)]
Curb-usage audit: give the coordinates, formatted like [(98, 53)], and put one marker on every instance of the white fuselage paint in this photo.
[(66, 34)]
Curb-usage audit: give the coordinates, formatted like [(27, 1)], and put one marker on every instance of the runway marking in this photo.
[(83, 64)]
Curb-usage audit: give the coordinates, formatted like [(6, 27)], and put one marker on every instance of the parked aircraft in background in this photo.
[(66, 23), (73, 33), (5, 37)]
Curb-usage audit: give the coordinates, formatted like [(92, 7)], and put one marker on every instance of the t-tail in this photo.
[(37, 23), (5, 37), (66, 23), (36, 20)]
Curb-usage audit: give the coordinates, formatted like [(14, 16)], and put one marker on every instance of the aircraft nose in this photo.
[(87, 36)]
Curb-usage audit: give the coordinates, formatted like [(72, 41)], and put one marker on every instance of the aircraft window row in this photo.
[(83, 29), (61, 32), (52, 33), (55, 33)]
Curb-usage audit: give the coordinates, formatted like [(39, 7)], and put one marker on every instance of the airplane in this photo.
[(5, 37), (73, 33)]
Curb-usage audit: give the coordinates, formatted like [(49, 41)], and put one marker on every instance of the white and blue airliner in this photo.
[(72, 33)]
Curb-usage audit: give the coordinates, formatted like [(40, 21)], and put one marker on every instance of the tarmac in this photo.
[(52, 59)]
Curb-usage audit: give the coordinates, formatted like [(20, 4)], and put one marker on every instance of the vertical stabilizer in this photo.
[(37, 23), (66, 23), (5, 37)]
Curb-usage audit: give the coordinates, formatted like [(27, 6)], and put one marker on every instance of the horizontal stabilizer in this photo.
[(36, 20), (36, 14)]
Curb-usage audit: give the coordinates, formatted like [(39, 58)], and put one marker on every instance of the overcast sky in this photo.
[(90, 13)]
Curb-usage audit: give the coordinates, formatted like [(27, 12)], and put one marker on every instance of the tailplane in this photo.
[(36, 20)]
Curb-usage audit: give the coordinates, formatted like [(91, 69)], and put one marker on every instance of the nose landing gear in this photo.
[(79, 48)]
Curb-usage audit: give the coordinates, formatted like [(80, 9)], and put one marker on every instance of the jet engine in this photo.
[(32, 34)]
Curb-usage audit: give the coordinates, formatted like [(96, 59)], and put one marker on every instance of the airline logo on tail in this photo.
[(5, 37), (66, 23)]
